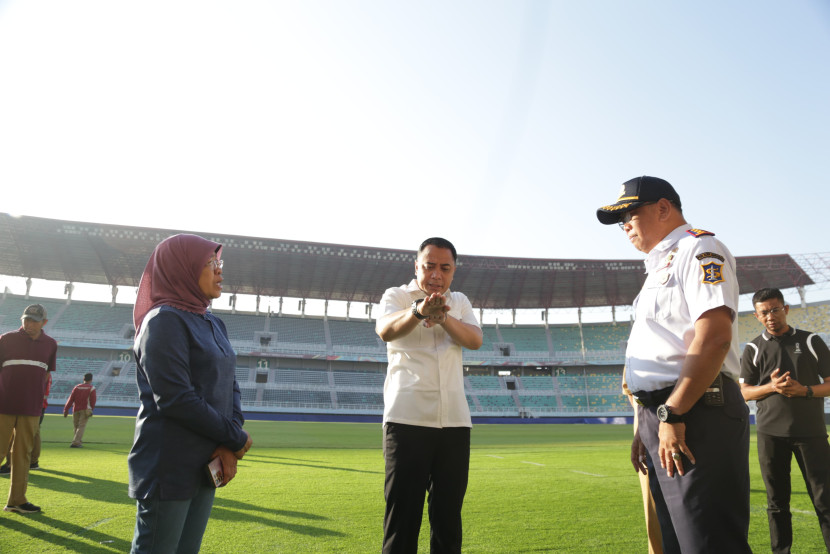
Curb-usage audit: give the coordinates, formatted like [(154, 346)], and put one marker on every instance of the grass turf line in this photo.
[(318, 487)]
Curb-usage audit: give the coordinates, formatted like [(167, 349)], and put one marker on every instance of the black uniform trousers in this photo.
[(813, 458), (707, 509), (421, 460)]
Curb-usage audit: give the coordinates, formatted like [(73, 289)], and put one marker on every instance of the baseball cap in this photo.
[(635, 193), (35, 312)]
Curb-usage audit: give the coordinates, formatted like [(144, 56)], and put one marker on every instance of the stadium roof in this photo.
[(115, 255)]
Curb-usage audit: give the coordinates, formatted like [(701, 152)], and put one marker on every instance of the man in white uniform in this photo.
[(426, 420), (682, 366)]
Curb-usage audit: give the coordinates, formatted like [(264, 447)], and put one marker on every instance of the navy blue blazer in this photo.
[(190, 402)]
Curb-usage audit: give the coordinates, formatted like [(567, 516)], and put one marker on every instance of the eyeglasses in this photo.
[(626, 217), (217, 264), (774, 311)]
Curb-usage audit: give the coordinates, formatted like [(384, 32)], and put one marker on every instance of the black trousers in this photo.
[(708, 507), (421, 460), (813, 458)]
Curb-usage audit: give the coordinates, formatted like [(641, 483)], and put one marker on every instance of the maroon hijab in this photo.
[(171, 277)]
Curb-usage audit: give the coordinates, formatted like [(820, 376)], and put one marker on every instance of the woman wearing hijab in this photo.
[(190, 402)]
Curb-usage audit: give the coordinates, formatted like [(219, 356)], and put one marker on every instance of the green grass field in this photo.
[(318, 487)]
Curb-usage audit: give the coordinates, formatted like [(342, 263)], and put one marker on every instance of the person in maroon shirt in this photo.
[(82, 402), (26, 356), (6, 468)]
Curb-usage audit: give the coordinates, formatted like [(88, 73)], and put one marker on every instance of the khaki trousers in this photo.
[(655, 537), (79, 419), (23, 428)]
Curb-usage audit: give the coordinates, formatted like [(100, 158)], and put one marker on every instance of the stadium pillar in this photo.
[(803, 295), (581, 336)]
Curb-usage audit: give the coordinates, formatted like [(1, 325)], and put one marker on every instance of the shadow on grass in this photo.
[(276, 460), (233, 510), (105, 543), (104, 490)]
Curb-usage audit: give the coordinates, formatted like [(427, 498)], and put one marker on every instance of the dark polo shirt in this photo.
[(806, 357), (23, 366)]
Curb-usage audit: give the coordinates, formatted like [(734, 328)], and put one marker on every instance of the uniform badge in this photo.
[(697, 233), (712, 273), (705, 255)]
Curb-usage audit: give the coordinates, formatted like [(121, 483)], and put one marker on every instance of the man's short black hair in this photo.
[(440, 243), (763, 295), (88, 377)]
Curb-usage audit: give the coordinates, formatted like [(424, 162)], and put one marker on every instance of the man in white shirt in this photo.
[(426, 420), (682, 364)]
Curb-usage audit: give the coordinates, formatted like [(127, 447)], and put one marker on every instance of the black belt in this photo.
[(652, 398)]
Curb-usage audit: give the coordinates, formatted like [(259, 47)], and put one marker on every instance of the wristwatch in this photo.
[(664, 414), (809, 391), (415, 309)]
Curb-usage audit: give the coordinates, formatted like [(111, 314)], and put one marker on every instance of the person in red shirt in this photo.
[(82, 402), (26, 357)]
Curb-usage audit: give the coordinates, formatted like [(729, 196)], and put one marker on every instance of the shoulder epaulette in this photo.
[(697, 233)]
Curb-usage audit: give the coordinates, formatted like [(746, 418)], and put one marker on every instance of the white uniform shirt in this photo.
[(687, 276), (425, 378)]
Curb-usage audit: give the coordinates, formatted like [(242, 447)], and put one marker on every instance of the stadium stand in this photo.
[(357, 334), (88, 318), (242, 327), (484, 382), (11, 307), (565, 338), (299, 331), (526, 339), (331, 365), (537, 383), (605, 336)]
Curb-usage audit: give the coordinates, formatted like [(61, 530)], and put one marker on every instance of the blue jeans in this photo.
[(174, 526)]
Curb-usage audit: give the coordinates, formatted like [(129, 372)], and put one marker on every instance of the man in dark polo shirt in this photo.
[(785, 371), (26, 355)]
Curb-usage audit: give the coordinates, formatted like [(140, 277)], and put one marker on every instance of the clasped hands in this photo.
[(435, 308), (229, 458), (783, 384)]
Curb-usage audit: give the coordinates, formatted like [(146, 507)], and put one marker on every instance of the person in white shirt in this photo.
[(682, 364), (426, 419)]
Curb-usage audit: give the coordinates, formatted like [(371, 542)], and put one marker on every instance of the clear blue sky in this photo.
[(500, 125)]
